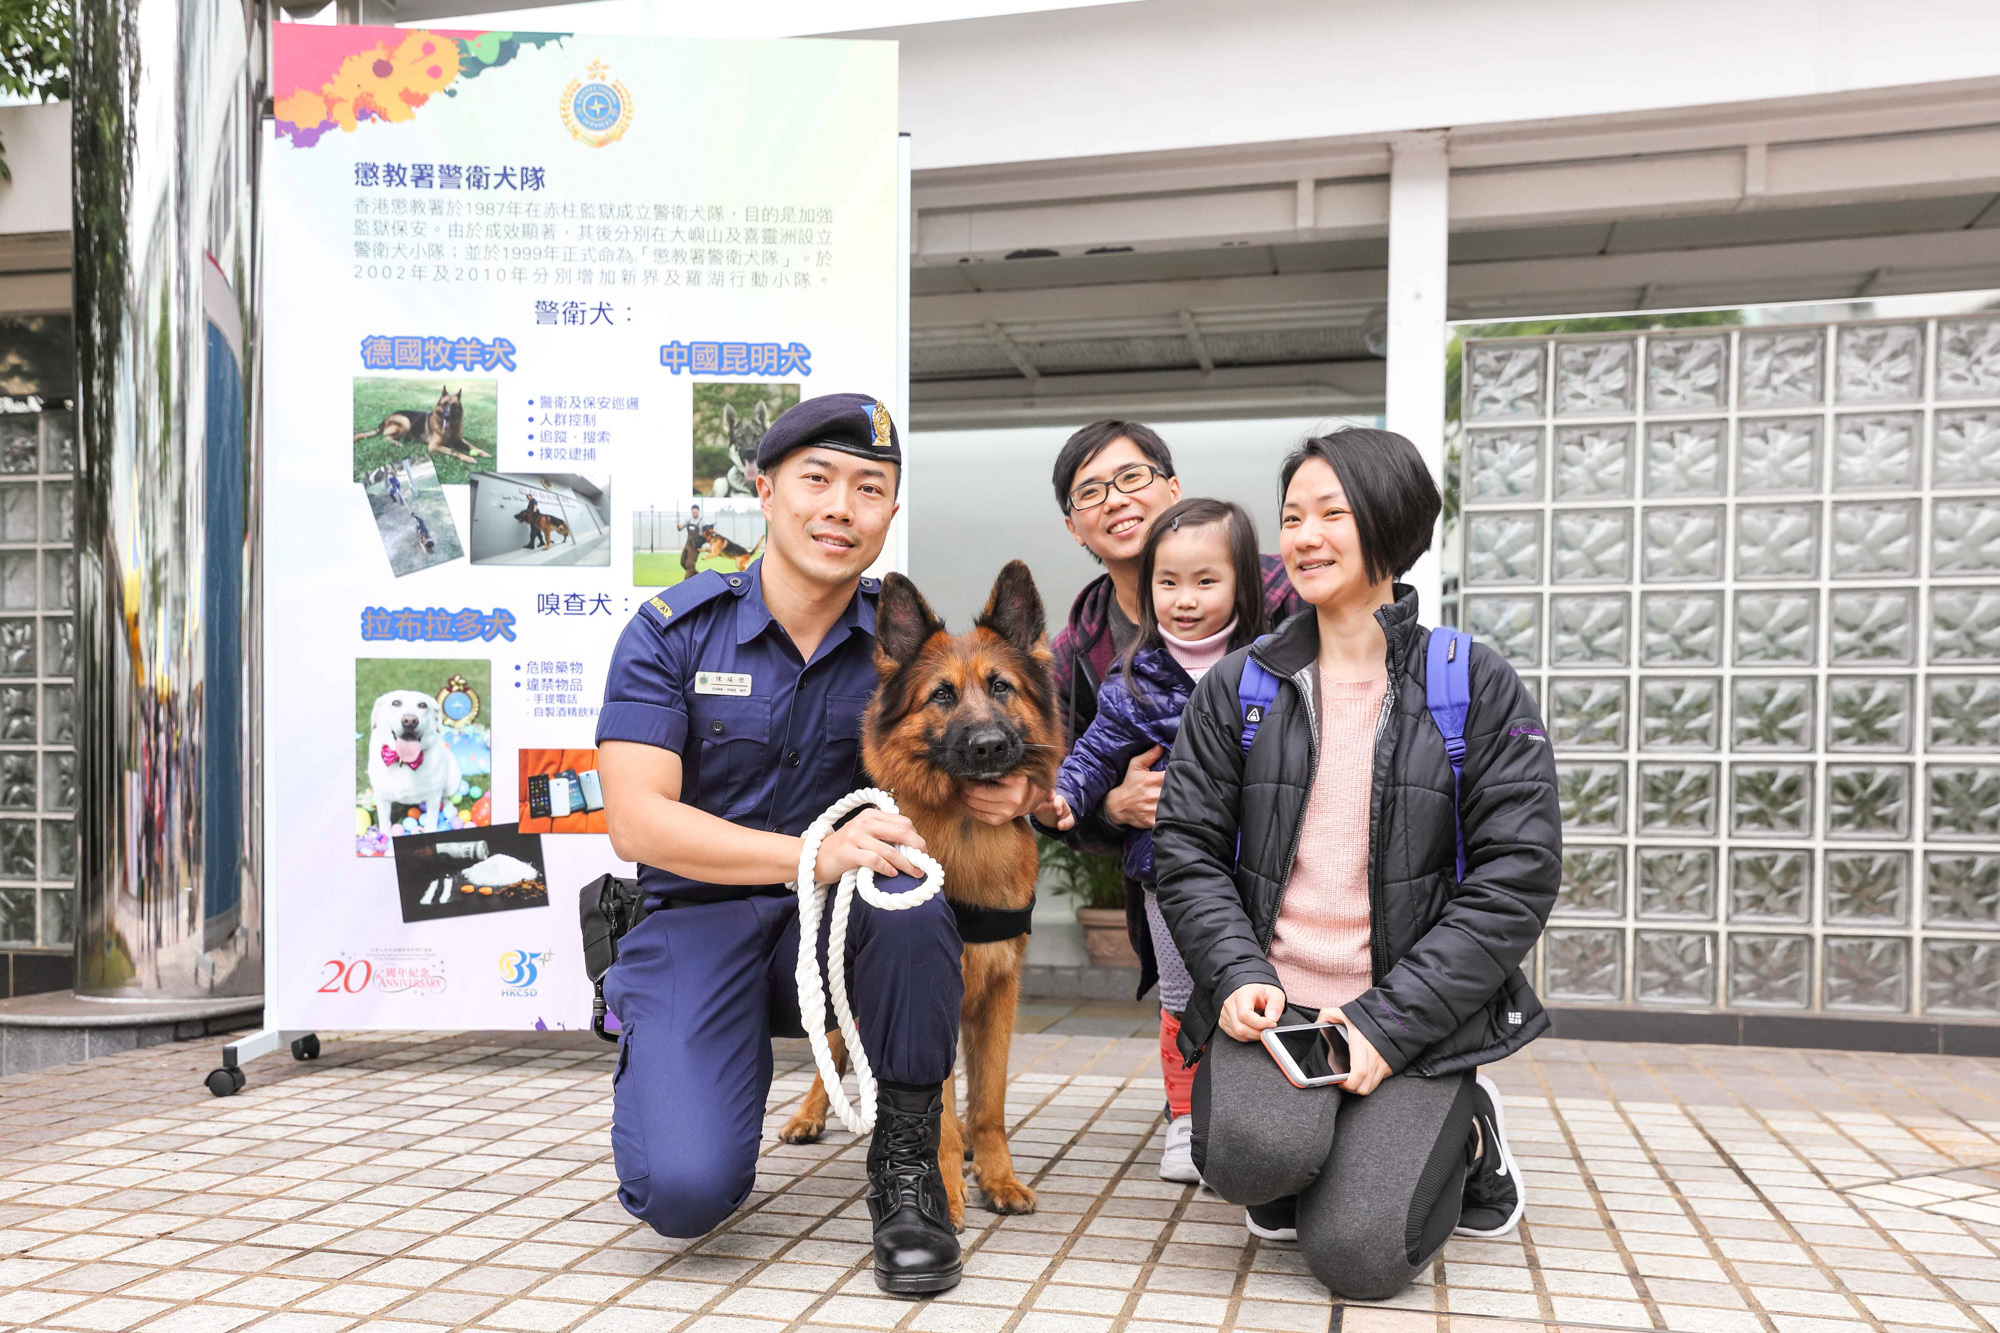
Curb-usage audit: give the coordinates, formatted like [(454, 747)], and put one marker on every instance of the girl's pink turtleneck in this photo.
[(1196, 656)]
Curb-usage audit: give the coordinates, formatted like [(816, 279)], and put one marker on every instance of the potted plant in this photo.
[(1097, 882)]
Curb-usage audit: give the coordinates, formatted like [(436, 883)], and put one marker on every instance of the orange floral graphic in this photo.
[(377, 84)]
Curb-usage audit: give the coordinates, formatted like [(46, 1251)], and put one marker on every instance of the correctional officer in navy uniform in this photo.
[(732, 720)]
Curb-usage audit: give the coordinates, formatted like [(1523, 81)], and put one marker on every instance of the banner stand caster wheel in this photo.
[(226, 1082), (306, 1047)]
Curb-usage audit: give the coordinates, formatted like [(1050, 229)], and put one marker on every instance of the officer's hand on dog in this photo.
[(1252, 1008), (873, 838), (1134, 802), (1003, 801)]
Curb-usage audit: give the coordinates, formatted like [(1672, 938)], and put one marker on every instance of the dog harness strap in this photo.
[(993, 925), (859, 1119)]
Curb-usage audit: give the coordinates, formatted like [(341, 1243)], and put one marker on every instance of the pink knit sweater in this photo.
[(1320, 945)]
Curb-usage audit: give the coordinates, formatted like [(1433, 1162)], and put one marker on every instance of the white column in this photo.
[(1419, 217)]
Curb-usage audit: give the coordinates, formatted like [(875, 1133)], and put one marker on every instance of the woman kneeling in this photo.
[(1319, 860)]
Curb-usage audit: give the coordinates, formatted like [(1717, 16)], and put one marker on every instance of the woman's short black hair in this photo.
[(1094, 439), (1391, 493)]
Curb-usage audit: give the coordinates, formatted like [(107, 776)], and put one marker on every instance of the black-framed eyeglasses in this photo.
[(1129, 480)]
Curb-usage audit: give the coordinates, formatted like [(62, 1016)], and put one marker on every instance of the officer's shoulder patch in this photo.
[(871, 586), (685, 596)]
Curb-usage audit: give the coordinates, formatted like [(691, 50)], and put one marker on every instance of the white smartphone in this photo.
[(1310, 1055), (558, 799)]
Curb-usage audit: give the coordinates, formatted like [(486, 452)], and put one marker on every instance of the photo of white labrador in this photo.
[(409, 761)]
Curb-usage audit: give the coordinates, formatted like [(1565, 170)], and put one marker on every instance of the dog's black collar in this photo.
[(992, 925)]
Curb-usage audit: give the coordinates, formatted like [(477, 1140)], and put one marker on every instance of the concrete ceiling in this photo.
[(1253, 282)]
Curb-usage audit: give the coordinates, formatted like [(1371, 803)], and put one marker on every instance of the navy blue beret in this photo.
[(853, 423)]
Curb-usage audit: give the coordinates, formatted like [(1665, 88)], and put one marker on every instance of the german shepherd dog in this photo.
[(442, 429), (952, 708), (721, 548), (541, 524), (743, 438)]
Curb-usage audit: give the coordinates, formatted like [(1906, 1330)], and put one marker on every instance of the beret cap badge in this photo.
[(849, 423)]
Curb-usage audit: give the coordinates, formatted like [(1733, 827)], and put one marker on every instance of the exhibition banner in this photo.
[(530, 301)]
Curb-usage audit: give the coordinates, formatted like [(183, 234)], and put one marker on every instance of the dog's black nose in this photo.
[(992, 747)]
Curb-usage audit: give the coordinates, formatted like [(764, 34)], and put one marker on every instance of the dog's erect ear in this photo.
[(1014, 611), (904, 621), (761, 418), (728, 417)]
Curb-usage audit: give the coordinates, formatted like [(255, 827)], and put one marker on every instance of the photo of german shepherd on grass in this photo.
[(397, 418), (951, 708), (440, 430)]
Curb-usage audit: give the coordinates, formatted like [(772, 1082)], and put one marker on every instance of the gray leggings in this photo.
[(1379, 1178)]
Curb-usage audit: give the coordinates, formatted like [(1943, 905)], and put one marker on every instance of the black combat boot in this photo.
[(916, 1250)]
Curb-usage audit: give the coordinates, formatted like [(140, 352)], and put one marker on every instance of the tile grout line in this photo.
[(373, 1261), (1831, 1273), (1025, 1306), (1693, 1214), (1638, 1280)]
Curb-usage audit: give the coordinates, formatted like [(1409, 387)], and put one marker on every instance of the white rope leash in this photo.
[(812, 999)]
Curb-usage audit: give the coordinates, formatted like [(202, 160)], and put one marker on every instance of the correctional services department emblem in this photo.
[(596, 109), (881, 424), (459, 702)]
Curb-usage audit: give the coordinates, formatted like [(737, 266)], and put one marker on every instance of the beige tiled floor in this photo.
[(431, 1182)]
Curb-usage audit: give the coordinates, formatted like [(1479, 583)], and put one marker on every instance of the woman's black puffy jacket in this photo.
[(1448, 990)]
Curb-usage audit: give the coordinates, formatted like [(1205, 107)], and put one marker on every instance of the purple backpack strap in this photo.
[(1255, 691), (1448, 694)]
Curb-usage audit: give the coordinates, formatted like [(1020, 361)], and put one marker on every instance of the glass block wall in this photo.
[(37, 634), (1753, 574)]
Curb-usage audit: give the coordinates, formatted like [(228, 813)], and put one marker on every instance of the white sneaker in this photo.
[(1276, 1220), (1494, 1195), (1177, 1158)]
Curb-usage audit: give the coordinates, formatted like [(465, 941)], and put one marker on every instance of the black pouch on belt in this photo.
[(606, 909)]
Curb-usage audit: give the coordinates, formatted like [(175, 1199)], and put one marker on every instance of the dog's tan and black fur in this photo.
[(721, 548), (442, 429), (950, 709), (542, 526)]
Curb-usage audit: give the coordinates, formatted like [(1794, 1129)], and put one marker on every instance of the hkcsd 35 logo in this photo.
[(520, 969)]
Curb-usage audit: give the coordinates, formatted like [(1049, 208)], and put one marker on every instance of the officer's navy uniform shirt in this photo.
[(774, 758)]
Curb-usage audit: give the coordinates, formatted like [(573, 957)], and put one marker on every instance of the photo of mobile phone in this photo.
[(1311, 1055), (558, 798), (538, 796), (593, 789), (569, 779)]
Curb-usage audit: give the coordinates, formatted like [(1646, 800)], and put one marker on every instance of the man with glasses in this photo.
[(1112, 479)]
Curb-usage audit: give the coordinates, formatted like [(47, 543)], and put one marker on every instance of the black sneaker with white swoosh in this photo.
[(1493, 1194)]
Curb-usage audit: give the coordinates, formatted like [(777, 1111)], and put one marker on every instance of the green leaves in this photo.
[(34, 54)]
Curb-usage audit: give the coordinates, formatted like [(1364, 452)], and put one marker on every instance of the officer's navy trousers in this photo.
[(700, 991)]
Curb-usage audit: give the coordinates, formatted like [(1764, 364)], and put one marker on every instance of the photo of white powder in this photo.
[(498, 870)]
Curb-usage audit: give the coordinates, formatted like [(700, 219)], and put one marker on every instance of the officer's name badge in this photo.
[(721, 682)]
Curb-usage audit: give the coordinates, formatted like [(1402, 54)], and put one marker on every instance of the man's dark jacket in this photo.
[(1448, 990)]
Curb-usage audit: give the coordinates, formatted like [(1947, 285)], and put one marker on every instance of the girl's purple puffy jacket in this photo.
[(1129, 722)]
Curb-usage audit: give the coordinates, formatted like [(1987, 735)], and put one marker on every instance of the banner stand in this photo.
[(558, 288)]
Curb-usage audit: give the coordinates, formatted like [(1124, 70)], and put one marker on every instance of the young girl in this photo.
[(1206, 588)]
